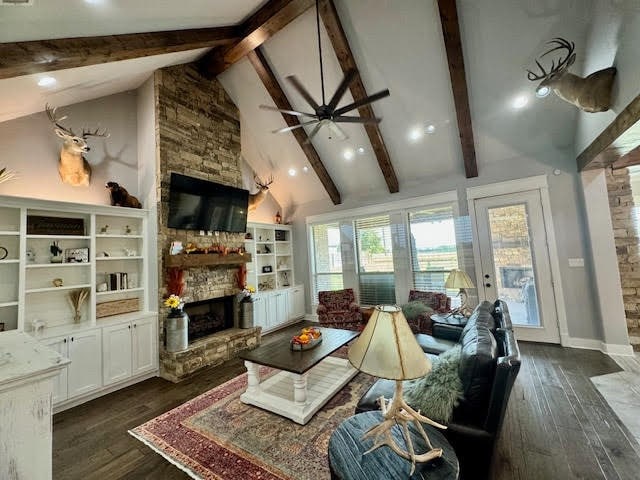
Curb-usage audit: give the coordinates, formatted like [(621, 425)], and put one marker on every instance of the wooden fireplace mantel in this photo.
[(189, 260)]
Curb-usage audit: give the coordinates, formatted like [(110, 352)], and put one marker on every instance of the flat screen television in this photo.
[(196, 204)]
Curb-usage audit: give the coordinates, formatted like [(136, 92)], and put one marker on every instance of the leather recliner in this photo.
[(489, 364)]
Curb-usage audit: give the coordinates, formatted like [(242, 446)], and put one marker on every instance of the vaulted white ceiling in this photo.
[(397, 45)]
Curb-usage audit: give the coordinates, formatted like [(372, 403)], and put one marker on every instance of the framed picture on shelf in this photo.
[(267, 269), (76, 255)]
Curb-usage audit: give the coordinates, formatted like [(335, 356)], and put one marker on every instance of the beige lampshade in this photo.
[(387, 347), (458, 279)]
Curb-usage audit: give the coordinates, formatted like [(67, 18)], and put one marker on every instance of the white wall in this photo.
[(567, 211), (147, 186), (29, 146), (612, 40)]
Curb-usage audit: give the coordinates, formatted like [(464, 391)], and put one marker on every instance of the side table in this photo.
[(446, 319), (347, 462)]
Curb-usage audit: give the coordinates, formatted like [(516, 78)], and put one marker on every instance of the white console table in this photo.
[(27, 370)]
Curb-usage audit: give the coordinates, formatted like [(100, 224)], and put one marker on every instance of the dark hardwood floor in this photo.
[(557, 425)]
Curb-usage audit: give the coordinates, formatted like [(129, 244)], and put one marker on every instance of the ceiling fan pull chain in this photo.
[(320, 50)]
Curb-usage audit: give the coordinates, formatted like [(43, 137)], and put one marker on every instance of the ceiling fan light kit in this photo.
[(326, 114)]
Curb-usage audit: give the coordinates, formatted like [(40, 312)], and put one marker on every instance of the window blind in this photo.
[(327, 258), (375, 260), (433, 247)]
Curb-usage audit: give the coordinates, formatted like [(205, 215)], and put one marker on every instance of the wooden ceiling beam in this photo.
[(259, 62), (258, 28), (614, 142), (453, 46), (25, 58), (340, 43)]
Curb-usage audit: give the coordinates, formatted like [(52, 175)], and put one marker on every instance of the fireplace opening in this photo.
[(209, 316)]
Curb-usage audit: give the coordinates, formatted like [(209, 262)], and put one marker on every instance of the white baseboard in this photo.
[(608, 348), (312, 317)]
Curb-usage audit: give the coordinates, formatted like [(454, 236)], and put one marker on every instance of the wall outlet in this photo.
[(576, 262)]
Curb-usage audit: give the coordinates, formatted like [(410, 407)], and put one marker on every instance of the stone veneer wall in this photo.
[(624, 216), (198, 134)]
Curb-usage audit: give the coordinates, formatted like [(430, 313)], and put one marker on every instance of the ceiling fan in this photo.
[(327, 114)]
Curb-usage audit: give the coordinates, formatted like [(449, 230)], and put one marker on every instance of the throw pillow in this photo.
[(413, 310), (439, 392)]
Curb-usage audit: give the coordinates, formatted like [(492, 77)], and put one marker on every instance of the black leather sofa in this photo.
[(489, 364)]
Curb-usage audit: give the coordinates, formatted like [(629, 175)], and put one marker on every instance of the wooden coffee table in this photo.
[(308, 378)]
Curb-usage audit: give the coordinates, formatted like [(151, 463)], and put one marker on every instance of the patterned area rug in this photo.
[(215, 436)]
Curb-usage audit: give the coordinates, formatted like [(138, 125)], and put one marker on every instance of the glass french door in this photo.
[(515, 263)]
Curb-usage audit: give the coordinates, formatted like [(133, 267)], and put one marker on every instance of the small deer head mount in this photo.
[(72, 166), (591, 94), (256, 199)]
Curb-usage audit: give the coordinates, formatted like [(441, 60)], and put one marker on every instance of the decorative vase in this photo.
[(246, 312), (177, 330)]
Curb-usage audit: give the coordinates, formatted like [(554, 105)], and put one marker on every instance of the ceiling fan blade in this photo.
[(313, 133), (336, 131), (346, 81), (293, 127), (288, 112), (365, 101), (344, 119), (302, 91)]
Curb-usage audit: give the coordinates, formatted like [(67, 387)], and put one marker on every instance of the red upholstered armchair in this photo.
[(438, 301), (338, 309)]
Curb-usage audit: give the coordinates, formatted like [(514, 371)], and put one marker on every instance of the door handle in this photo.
[(487, 284)]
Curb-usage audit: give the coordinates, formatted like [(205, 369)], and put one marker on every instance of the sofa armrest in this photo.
[(446, 332)]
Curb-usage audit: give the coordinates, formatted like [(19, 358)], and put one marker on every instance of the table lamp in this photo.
[(387, 348), (460, 279)]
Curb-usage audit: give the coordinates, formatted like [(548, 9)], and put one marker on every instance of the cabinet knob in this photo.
[(487, 284), (129, 327), (72, 339), (65, 340), (134, 325)]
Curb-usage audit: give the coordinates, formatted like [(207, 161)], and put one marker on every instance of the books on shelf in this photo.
[(120, 281)]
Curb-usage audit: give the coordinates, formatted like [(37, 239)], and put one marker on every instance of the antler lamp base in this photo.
[(398, 412)]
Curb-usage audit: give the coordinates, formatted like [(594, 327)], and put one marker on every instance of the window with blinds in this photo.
[(327, 258), (433, 247), (375, 260)]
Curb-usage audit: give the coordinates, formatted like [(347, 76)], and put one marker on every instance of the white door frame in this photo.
[(539, 183)]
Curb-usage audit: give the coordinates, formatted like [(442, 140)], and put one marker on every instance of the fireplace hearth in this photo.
[(209, 316)]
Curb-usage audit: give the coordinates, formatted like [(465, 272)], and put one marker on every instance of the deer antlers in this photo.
[(560, 44), (51, 113), (262, 185)]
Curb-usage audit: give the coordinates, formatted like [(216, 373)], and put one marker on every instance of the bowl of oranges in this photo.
[(308, 338)]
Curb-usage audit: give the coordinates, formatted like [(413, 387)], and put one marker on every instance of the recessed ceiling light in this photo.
[(292, 172), (347, 154), (430, 128), (520, 101), (305, 169), (543, 91), (415, 134), (360, 150), (47, 81)]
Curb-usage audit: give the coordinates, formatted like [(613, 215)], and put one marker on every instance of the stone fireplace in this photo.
[(198, 134), (210, 316)]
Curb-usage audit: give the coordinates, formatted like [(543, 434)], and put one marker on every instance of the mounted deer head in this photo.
[(591, 94), (256, 199), (72, 166)]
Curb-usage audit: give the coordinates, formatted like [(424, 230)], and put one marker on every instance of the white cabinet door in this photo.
[(59, 344), (144, 345), (296, 302), (272, 310), (116, 351), (85, 370), (282, 307), (260, 311)]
